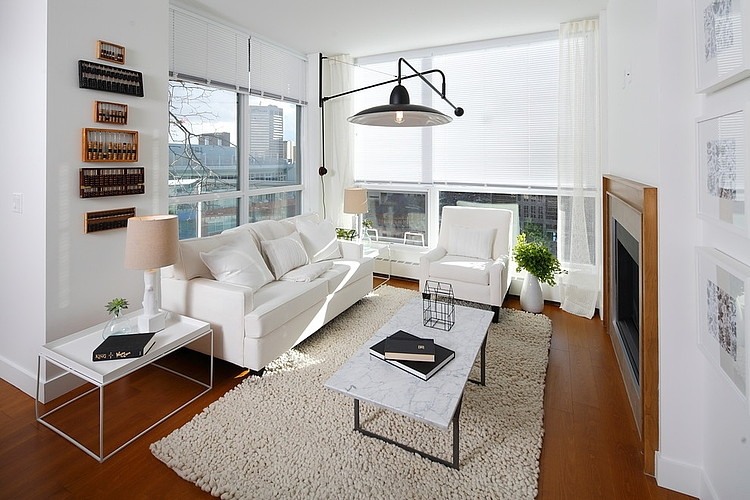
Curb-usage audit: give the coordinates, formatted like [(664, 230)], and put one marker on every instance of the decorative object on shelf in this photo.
[(723, 173), (151, 244), (722, 38), (101, 144), (540, 265), (355, 203), (723, 329), (119, 324), (98, 182), (110, 112), (109, 51), (97, 76), (438, 305), (107, 219)]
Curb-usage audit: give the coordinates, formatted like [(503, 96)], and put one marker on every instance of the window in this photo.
[(394, 214), (503, 151), (235, 114)]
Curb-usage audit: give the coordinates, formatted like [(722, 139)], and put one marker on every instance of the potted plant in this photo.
[(119, 324), (541, 266)]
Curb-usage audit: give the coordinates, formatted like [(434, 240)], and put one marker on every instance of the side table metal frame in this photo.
[(101, 457)]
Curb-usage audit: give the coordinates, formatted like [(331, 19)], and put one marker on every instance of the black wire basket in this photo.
[(438, 305)]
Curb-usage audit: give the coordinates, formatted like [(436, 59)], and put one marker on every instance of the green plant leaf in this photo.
[(535, 258)]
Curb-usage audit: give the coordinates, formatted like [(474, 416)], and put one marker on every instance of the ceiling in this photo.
[(348, 27)]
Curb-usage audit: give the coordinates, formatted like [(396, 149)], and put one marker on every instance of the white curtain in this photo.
[(337, 78), (579, 167)]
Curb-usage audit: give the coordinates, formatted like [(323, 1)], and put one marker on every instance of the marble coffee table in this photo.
[(436, 401)]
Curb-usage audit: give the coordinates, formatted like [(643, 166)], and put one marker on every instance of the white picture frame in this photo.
[(723, 329), (722, 142), (722, 43)]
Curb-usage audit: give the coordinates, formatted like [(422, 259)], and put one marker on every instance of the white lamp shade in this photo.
[(355, 201), (151, 242)]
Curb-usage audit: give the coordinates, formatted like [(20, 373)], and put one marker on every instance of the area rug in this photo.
[(284, 435)]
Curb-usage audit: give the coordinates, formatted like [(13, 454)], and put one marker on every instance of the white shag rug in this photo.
[(284, 435)]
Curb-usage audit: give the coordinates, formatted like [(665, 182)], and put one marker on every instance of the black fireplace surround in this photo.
[(626, 295)]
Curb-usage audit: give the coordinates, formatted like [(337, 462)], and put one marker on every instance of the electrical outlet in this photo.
[(17, 203)]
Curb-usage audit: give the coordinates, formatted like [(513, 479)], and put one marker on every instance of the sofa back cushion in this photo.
[(284, 254), (238, 262), (319, 239), (189, 264)]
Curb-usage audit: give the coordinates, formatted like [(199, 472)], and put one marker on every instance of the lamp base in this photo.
[(152, 323)]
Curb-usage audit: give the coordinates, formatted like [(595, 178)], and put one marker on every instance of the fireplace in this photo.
[(630, 305), (626, 296)]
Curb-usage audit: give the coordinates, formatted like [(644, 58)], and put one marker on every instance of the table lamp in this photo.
[(355, 202), (150, 244)]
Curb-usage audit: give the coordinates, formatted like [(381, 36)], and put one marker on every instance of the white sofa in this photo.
[(254, 324)]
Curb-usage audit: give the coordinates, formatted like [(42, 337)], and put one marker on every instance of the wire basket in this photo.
[(438, 305)]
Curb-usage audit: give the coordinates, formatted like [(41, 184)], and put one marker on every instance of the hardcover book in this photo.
[(421, 369), (409, 349), (132, 345)]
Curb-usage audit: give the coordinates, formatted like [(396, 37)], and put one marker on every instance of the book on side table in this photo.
[(421, 369), (131, 345)]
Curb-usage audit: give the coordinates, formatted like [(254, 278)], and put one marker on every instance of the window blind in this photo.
[(276, 73), (206, 52), (507, 137)]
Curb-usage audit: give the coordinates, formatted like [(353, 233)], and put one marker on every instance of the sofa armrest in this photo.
[(351, 250), (499, 280), (223, 305)]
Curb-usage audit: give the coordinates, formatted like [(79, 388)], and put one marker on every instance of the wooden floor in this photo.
[(590, 448)]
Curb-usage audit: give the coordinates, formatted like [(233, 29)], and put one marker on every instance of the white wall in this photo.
[(704, 428), (73, 275), (23, 50)]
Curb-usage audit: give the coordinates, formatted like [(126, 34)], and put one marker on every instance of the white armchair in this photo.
[(472, 254)]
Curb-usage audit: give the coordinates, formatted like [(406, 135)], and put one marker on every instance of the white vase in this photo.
[(532, 299)]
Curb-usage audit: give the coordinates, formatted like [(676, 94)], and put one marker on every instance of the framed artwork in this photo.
[(723, 333), (722, 43), (722, 159)]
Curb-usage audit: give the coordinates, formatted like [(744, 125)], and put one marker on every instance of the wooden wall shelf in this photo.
[(98, 182), (110, 112), (107, 219), (109, 145)]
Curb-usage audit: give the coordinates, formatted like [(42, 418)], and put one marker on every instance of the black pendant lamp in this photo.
[(401, 113)]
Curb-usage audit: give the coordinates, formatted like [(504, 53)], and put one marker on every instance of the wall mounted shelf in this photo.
[(98, 182), (109, 145)]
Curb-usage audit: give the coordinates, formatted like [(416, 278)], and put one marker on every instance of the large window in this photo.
[(502, 152), (234, 151)]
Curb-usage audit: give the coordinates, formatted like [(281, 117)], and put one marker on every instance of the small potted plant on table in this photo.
[(540, 266)]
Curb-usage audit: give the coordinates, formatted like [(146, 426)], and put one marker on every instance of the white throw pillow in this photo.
[(319, 239), (284, 254), (239, 263), (471, 242), (307, 273)]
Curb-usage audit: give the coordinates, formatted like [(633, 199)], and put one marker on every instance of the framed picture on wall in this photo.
[(722, 42), (722, 159), (723, 333)]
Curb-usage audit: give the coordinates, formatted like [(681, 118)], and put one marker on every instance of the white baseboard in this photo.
[(682, 477), (26, 381), (18, 376)]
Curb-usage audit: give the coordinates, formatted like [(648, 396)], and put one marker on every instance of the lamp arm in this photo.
[(420, 74), (395, 80)]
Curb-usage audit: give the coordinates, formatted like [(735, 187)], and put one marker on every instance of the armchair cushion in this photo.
[(467, 269), (471, 241)]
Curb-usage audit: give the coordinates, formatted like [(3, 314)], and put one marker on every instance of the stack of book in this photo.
[(420, 357)]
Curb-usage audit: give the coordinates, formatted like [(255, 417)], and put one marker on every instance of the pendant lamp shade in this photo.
[(400, 113)]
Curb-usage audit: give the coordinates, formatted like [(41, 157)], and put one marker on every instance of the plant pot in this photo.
[(118, 325), (532, 299)]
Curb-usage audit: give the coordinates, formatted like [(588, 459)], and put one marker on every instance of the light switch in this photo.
[(17, 203)]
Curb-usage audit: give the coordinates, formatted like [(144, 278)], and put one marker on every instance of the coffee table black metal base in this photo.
[(453, 463)]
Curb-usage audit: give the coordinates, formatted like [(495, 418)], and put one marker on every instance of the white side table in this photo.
[(74, 355), (380, 251)]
